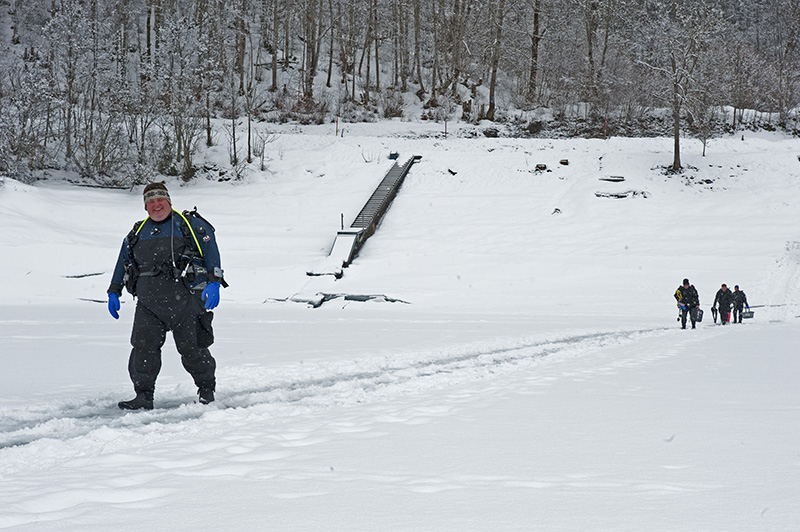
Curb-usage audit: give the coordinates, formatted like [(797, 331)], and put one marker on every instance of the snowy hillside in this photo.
[(530, 374)]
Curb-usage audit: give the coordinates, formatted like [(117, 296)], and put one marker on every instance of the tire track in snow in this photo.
[(22, 426)]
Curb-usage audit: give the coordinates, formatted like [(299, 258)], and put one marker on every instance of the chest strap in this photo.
[(191, 231)]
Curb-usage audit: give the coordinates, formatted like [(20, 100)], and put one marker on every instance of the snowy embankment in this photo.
[(533, 377)]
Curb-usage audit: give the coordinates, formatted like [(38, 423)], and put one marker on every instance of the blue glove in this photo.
[(683, 307), (113, 305), (747, 307), (211, 295)]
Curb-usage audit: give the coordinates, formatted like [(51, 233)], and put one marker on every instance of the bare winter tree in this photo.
[(370, 37), (178, 57), (211, 42), (597, 17), (704, 102), (743, 75), (349, 36), (331, 35), (400, 49), (418, 46), (785, 18), (68, 43), (312, 15), (240, 30), (675, 43), (23, 119), (536, 36), (275, 39), (496, 24), (254, 95)]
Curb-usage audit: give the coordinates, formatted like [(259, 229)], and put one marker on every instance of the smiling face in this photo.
[(158, 209)]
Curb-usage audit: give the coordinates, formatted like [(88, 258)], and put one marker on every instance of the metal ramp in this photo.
[(349, 241)]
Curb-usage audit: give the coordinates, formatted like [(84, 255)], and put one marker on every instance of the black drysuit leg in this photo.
[(692, 313), (195, 359), (148, 337)]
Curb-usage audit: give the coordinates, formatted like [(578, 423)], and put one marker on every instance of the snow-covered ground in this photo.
[(532, 375)]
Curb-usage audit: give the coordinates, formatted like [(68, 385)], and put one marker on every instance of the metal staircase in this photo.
[(378, 203), (349, 241)]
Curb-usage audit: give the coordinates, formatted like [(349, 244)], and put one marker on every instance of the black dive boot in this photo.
[(143, 400), (205, 395)]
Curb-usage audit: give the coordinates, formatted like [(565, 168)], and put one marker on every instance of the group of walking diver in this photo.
[(724, 302)]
